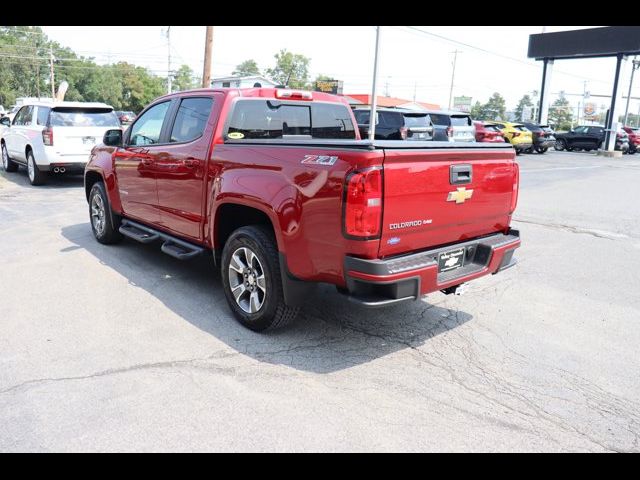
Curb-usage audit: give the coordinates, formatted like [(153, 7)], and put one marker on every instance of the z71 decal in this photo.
[(319, 159)]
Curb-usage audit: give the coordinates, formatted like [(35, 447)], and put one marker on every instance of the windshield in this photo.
[(83, 117), (417, 121)]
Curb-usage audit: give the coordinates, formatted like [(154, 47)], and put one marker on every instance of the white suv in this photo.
[(54, 137)]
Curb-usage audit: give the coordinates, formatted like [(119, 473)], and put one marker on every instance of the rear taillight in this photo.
[(363, 204), (47, 136), (403, 133), (449, 131), (516, 181), (540, 134)]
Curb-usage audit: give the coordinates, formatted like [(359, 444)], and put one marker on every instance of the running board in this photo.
[(172, 246)]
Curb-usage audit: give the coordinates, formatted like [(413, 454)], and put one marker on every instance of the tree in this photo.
[(495, 108), (560, 114), (246, 68), (477, 112), (291, 69), (183, 79), (525, 101)]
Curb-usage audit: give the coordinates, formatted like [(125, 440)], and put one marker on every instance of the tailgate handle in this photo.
[(459, 174)]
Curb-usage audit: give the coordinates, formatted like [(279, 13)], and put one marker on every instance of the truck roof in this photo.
[(265, 92)]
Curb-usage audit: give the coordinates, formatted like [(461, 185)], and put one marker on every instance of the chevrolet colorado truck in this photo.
[(277, 186)]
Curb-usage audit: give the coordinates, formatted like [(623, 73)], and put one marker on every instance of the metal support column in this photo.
[(610, 138), (543, 111)]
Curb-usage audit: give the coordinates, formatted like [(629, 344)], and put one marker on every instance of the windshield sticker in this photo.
[(235, 135)]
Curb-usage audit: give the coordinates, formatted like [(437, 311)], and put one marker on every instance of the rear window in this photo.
[(492, 128), (43, 115), (460, 121), (521, 128), (275, 119), (440, 119), (417, 121), (83, 117)]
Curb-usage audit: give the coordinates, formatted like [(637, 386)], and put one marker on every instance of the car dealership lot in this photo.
[(124, 348)]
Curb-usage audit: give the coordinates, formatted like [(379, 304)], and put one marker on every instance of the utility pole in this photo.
[(415, 86), (453, 74), (169, 59), (635, 66), (374, 92), (208, 50), (51, 78), (386, 88)]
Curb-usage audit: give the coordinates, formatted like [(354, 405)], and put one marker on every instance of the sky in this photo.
[(415, 61)]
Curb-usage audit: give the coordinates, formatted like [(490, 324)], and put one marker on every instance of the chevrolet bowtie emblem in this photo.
[(460, 195)]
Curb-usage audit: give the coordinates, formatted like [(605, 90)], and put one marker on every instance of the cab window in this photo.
[(147, 129)]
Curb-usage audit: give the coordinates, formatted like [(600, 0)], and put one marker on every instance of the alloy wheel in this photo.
[(98, 214), (247, 280)]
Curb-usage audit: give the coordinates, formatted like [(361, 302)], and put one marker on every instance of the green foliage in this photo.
[(24, 72), (184, 79), (525, 101), (291, 69), (494, 109), (560, 113), (246, 68)]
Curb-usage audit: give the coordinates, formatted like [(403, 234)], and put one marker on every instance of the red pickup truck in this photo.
[(278, 187)]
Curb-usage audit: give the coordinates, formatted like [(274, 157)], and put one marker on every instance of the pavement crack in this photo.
[(573, 229)]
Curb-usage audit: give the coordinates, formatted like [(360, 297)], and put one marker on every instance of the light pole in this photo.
[(635, 66), (453, 74)]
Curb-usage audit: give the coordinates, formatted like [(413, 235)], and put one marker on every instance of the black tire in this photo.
[(272, 312), (107, 231), (529, 150), (35, 176), (541, 150), (8, 164), (560, 145)]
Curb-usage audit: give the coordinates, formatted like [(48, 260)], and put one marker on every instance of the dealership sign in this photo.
[(589, 109), (329, 86), (463, 104)]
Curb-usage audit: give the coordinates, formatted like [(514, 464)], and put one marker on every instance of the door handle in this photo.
[(191, 162)]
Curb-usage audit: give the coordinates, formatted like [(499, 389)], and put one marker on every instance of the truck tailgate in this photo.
[(424, 207)]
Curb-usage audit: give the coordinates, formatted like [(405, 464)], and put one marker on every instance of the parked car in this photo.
[(543, 137), (634, 138), (54, 138), (516, 134), (125, 117), (275, 185), (459, 125), (488, 133), (587, 138), (400, 124)]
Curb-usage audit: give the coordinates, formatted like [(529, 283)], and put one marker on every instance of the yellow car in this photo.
[(516, 134)]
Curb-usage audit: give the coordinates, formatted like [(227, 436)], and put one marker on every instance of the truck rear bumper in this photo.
[(375, 283)]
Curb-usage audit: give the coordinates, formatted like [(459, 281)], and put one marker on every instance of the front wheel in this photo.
[(104, 224), (8, 164), (252, 280)]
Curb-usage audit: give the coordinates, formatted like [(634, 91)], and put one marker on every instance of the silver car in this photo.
[(459, 125)]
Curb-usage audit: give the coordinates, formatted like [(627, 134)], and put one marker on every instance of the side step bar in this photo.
[(172, 246)]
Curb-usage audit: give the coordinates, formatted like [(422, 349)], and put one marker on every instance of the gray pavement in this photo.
[(112, 348)]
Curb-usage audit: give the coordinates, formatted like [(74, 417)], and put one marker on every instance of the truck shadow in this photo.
[(329, 334), (67, 180)]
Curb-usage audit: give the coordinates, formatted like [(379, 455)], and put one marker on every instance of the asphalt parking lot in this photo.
[(114, 348)]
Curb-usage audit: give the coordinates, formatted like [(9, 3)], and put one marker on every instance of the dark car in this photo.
[(400, 124), (587, 138), (543, 137), (125, 117)]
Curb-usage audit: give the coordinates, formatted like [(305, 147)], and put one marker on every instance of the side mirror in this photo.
[(6, 121), (113, 138)]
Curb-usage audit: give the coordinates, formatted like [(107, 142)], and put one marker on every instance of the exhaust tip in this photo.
[(56, 169), (62, 169)]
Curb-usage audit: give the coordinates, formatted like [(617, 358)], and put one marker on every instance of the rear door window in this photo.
[(391, 119), (254, 119), (83, 117), (23, 117), (191, 119)]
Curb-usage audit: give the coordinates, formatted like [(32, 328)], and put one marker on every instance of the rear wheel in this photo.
[(252, 279), (36, 177), (8, 164), (560, 145)]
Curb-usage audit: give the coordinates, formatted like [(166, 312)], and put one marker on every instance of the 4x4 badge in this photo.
[(460, 195)]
